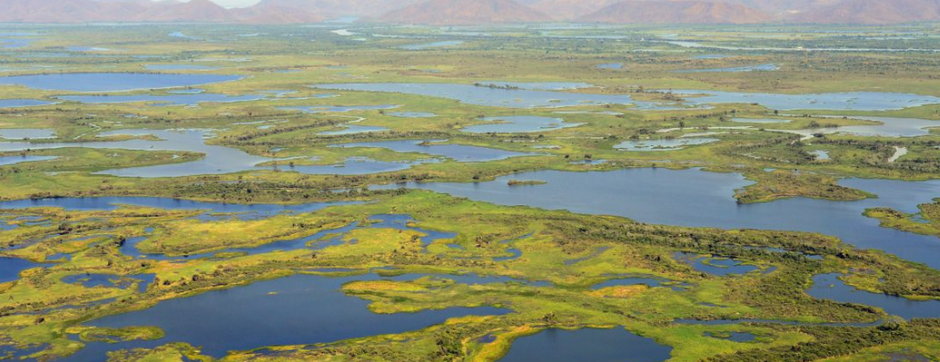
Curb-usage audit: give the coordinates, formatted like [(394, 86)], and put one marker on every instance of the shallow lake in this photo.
[(301, 309), (519, 124), (26, 133), (356, 166), (889, 127), (751, 68), (180, 67), (181, 99), (13, 160), (339, 109), (112, 82), (10, 268), (663, 196), (432, 45), (855, 101), (460, 153), (828, 286), (349, 129), (663, 144), (412, 114), (612, 66), (16, 103), (560, 345)]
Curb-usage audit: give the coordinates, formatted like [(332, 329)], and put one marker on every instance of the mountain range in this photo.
[(466, 12)]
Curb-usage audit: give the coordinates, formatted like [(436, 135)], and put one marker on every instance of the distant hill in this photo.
[(871, 12), (468, 12), (463, 12), (338, 8), (677, 12), (80, 11), (570, 9)]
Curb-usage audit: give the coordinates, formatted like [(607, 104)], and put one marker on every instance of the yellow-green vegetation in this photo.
[(926, 222)]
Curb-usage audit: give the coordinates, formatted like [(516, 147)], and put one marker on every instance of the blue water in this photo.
[(828, 286), (187, 99), (663, 196), (350, 129), (16, 103), (432, 45), (301, 309), (26, 133), (663, 144), (615, 344), (412, 114), (752, 68), (355, 166), (715, 266), (339, 109), (519, 124), (460, 153), (612, 66), (13, 160), (855, 101), (113, 82), (10, 268), (741, 337)]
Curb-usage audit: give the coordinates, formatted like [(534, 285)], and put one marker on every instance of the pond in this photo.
[(17, 103), (715, 266), (829, 286), (356, 166), (511, 95), (432, 45), (611, 66), (663, 196), (889, 127), (180, 67), (460, 153), (339, 109), (519, 124), (350, 129), (300, 309), (412, 114), (26, 133), (178, 99), (820, 155), (13, 160), (663, 144), (751, 68), (10, 268), (561, 345), (112, 82)]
